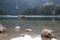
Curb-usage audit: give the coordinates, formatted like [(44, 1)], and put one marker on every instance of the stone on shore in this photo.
[(17, 28), (47, 33), (2, 29), (28, 30)]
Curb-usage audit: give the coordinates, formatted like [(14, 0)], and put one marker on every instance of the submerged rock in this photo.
[(2, 29), (47, 33), (5, 35), (28, 30), (17, 28), (22, 35)]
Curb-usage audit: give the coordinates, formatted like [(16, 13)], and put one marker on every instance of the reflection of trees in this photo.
[(2, 12)]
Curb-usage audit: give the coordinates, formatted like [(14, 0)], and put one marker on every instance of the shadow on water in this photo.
[(36, 24)]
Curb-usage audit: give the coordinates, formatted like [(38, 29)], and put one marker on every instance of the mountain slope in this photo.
[(43, 10), (17, 6)]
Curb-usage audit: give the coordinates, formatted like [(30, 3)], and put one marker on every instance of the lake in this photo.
[(36, 24)]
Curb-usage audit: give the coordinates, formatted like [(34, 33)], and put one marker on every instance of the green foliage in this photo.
[(43, 10)]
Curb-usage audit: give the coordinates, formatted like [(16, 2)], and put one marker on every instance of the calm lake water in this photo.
[(36, 25)]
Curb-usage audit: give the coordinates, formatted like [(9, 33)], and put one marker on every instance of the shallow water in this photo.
[(36, 25), (28, 37)]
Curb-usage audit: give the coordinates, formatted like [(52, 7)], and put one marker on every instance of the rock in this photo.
[(17, 28), (2, 29), (47, 33), (28, 30), (22, 35), (13, 29), (5, 35)]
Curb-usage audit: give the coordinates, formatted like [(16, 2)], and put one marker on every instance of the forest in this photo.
[(39, 10), (43, 10)]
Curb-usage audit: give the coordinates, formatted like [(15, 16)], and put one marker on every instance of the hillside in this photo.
[(15, 7), (43, 10)]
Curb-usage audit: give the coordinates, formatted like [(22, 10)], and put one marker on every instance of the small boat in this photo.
[(21, 16)]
